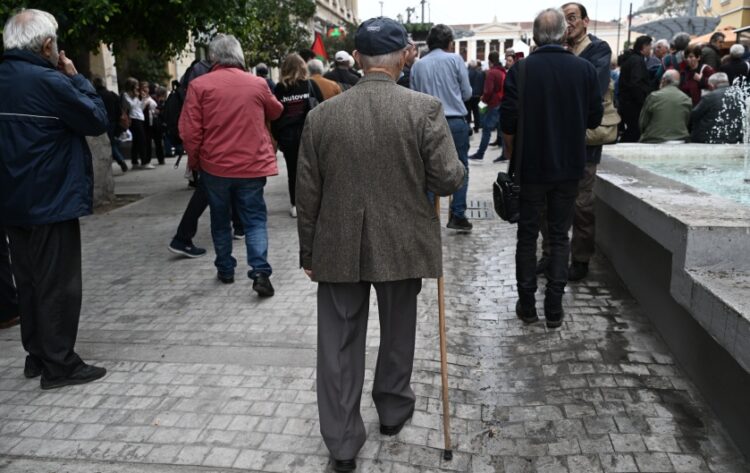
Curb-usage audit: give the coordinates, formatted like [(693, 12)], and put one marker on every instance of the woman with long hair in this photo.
[(294, 91), (133, 102)]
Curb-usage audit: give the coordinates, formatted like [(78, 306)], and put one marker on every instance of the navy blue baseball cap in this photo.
[(380, 35)]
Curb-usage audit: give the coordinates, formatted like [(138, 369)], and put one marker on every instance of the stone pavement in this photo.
[(205, 377)]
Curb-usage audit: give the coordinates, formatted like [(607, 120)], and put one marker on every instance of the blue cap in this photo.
[(380, 35)]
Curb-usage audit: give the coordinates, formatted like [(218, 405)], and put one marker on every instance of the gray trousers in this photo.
[(342, 328)]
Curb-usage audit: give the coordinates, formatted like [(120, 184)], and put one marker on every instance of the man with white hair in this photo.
[(666, 112), (223, 129), (552, 150), (737, 66), (327, 87), (46, 183), (717, 118), (373, 150)]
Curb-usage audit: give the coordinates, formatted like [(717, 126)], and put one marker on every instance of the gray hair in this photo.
[(737, 51), (670, 77), (718, 79), (681, 41), (662, 42), (315, 66), (549, 27), (29, 29), (389, 60), (224, 49)]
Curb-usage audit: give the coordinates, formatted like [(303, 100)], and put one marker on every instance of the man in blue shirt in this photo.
[(443, 74)]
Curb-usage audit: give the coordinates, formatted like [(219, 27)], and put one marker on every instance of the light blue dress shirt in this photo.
[(445, 76)]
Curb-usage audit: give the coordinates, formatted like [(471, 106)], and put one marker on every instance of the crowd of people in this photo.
[(675, 92), (359, 145)]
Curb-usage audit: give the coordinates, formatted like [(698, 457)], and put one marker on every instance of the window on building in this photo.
[(495, 45), (463, 47), (508, 44), (480, 50)]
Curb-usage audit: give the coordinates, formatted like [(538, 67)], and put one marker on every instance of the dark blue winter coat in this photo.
[(562, 98), (46, 173)]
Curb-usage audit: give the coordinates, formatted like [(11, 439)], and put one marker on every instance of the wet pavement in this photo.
[(207, 377)]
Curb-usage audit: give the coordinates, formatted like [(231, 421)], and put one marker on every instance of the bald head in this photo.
[(670, 77)]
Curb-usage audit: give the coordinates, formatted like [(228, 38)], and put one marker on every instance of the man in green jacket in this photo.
[(666, 113)]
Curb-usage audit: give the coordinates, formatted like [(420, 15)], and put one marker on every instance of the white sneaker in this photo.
[(149, 166), (293, 211)]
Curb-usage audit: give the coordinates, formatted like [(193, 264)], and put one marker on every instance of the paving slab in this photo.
[(206, 377)]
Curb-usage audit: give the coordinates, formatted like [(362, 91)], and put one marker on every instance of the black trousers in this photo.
[(8, 295), (47, 269), (290, 148), (198, 203), (138, 151), (630, 116), (559, 199), (155, 141), (472, 106)]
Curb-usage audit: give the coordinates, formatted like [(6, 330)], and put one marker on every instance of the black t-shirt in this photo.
[(296, 106)]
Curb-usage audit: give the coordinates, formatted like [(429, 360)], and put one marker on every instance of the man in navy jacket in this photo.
[(46, 184), (561, 99)]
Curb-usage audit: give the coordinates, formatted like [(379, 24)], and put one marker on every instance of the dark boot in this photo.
[(577, 271)]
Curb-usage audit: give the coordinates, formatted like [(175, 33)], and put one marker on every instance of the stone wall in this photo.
[(104, 183)]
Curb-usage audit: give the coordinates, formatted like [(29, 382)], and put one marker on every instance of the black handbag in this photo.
[(506, 190)]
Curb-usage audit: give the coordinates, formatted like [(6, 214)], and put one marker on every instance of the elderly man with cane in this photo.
[(368, 159)]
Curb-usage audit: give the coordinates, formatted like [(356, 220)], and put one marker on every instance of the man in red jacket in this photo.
[(223, 128), (493, 97)]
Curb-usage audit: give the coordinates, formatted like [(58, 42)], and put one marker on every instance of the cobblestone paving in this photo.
[(207, 377)]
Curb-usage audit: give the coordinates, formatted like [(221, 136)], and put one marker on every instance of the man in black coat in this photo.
[(737, 65), (635, 85), (552, 149), (717, 119)]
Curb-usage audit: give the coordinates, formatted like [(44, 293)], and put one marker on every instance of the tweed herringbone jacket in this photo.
[(367, 159)]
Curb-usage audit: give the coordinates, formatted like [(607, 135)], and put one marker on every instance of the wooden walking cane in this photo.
[(448, 452)]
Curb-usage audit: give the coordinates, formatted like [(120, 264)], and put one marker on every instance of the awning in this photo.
[(668, 27), (729, 38)]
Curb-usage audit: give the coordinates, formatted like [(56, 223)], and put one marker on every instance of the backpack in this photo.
[(170, 115)]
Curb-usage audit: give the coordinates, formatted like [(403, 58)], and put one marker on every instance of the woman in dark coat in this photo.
[(694, 79), (293, 91)]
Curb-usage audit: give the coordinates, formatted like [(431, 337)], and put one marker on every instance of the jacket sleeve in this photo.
[(309, 187), (700, 111), (601, 59), (444, 172), (509, 105), (79, 106), (645, 118), (641, 80), (489, 87), (463, 81), (191, 126), (271, 105), (596, 106)]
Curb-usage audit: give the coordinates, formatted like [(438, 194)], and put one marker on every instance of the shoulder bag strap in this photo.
[(518, 140)]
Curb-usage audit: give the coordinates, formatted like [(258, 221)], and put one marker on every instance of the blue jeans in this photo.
[(489, 123), (460, 131), (115, 143), (246, 195)]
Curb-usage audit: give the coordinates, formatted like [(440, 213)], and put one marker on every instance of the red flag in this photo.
[(318, 48)]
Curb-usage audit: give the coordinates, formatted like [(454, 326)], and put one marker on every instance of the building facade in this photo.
[(333, 13), (733, 13), (476, 41)]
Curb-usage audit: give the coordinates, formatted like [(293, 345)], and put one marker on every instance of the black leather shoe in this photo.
[(527, 315), (460, 224), (554, 318), (577, 271), (262, 285), (392, 430), (225, 278), (81, 375), (32, 368), (344, 465)]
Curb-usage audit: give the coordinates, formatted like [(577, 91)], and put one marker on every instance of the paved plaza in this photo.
[(206, 377)]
